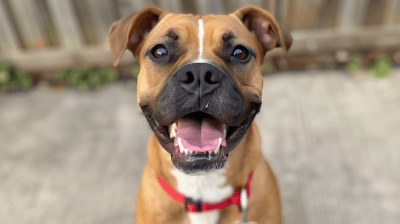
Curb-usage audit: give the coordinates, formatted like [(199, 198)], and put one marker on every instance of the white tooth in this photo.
[(181, 147), (186, 151), (219, 144), (173, 126), (172, 133)]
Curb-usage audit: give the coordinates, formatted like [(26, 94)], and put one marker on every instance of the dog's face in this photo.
[(200, 83)]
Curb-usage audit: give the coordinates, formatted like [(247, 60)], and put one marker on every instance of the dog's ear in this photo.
[(265, 28), (129, 32)]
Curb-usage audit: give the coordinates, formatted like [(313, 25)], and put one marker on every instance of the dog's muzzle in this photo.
[(200, 116)]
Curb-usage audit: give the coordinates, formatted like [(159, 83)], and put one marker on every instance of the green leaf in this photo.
[(5, 66), (354, 64), (4, 76), (4, 87), (382, 67), (63, 74)]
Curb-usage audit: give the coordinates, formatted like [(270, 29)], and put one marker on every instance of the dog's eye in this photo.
[(160, 51), (240, 53)]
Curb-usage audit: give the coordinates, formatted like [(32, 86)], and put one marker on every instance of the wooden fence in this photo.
[(44, 35)]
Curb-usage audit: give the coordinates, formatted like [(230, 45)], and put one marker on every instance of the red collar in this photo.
[(199, 206)]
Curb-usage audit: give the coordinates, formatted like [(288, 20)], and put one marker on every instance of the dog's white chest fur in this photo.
[(206, 187)]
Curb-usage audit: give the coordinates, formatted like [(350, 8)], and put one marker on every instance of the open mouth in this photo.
[(199, 142)]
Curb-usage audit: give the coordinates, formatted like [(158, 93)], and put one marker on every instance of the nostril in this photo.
[(208, 77), (189, 78), (211, 78)]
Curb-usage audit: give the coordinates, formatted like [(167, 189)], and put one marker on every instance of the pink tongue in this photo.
[(199, 135)]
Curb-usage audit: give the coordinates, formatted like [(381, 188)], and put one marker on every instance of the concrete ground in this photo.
[(331, 139)]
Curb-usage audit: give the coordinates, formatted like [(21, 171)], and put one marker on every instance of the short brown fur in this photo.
[(133, 33)]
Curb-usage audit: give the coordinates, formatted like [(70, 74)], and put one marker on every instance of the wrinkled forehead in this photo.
[(225, 25), (174, 27), (215, 29)]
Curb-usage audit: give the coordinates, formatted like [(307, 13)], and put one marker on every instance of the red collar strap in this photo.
[(199, 206)]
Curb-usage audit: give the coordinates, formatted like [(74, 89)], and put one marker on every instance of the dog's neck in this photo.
[(207, 187)]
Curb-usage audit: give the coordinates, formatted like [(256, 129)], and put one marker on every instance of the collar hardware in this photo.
[(193, 205)]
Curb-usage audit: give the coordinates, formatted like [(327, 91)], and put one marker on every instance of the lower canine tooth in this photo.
[(219, 145)]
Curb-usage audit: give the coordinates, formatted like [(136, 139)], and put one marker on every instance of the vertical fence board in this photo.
[(351, 13), (375, 12), (171, 5), (209, 7), (282, 9), (87, 23), (304, 14), (67, 26), (391, 12), (128, 7), (104, 15), (29, 24), (270, 6), (231, 5), (8, 37), (258, 3), (328, 14)]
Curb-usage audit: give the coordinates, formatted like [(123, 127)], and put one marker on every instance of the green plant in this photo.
[(13, 79), (381, 67), (86, 77), (354, 64), (5, 76), (135, 71), (21, 79)]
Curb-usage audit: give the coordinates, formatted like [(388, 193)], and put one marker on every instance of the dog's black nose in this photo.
[(199, 78)]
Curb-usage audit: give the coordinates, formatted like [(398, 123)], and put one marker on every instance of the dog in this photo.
[(200, 87)]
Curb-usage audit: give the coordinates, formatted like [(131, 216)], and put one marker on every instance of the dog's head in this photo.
[(199, 84)]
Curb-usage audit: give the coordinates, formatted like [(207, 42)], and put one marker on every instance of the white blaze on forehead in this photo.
[(201, 37), (200, 58)]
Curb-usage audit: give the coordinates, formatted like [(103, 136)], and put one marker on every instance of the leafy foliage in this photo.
[(13, 79), (87, 78), (354, 64), (381, 67)]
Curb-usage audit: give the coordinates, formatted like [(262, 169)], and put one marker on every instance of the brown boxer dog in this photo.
[(200, 88)]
